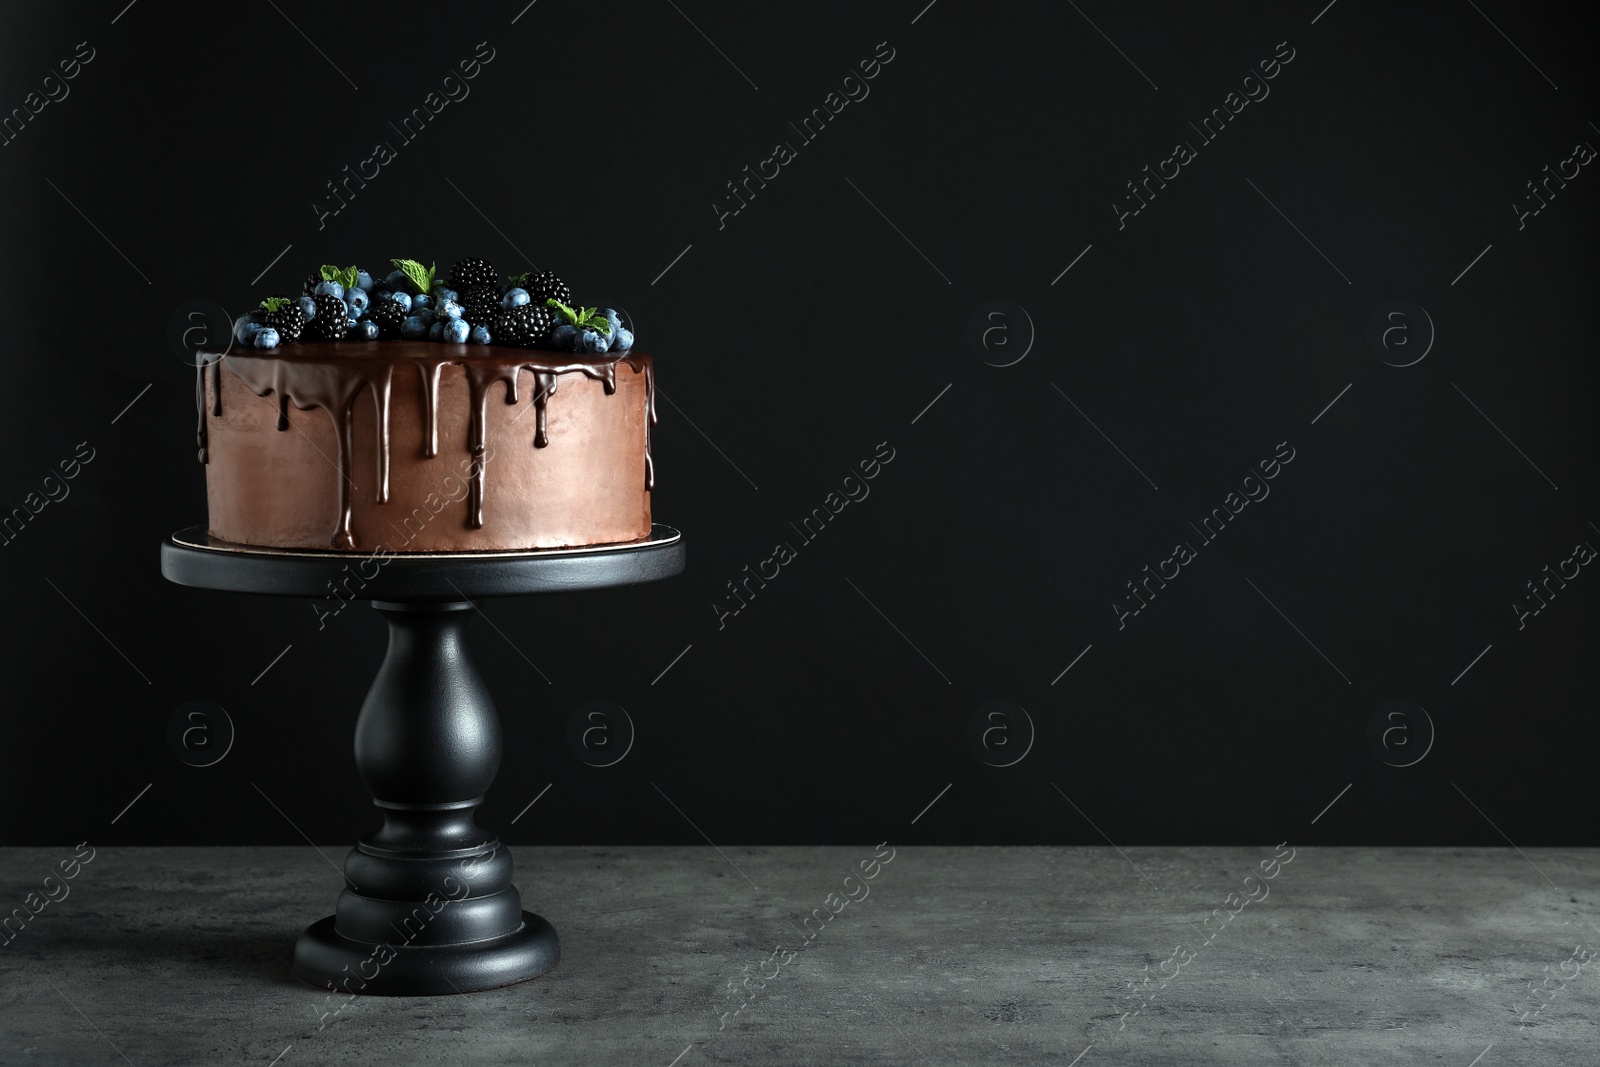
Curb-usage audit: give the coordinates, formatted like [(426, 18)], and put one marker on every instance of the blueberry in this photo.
[(591, 341), (515, 298), (328, 289), (624, 340), (563, 336), (427, 316), (266, 337), (366, 330), (614, 319), (364, 281), (397, 280), (413, 328), (436, 332), (441, 293), (456, 331), (403, 299), (358, 301), (246, 328), (480, 335), (449, 309), (421, 301), (308, 307)]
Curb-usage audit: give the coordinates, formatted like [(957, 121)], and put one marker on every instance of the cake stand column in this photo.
[(428, 905)]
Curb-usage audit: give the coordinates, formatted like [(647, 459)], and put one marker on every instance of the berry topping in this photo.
[(387, 315), (523, 325), (475, 304), (331, 321), (545, 286), (283, 315), (470, 272), (480, 304)]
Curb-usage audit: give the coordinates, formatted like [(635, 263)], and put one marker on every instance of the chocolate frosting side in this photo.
[(332, 376)]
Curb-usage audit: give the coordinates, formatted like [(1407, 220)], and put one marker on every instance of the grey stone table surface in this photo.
[(682, 956)]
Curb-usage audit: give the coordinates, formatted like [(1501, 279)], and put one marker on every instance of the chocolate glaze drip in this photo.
[(430, 404), (381, 388), (202, 361), (200, 406), (332, 376), (650, 420), (547, 386)]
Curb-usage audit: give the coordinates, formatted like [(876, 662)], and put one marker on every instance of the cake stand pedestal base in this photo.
[(428, 905), (327, 958)]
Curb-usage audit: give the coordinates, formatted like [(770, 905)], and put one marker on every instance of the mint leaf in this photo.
[(273, 303), (582, 318), (419, 276), (348, 277), (329, 272)]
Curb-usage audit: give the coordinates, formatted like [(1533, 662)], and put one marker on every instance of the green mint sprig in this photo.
[(273, 303), (420, 277), (582, 317), (345, 276)]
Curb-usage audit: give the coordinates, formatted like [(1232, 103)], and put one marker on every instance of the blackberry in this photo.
[(546, 286), (313, 280), (523, 325), (388, 315), (480, 304), (331, 321), (472, 272), (288, 320)]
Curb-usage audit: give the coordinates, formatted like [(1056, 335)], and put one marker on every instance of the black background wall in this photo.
[(1226, 322)]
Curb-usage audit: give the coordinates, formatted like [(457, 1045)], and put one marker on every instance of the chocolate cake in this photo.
[(420, 446), (388, 416)]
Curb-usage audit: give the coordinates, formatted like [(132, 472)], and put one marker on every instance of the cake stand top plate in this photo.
[(194, 558)]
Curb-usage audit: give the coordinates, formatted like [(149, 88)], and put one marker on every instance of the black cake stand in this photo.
[(429, 906)]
